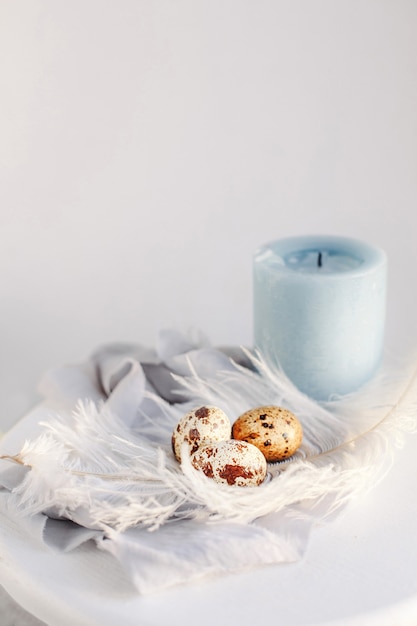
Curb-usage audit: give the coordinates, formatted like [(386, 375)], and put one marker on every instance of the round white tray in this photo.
[(358, 569)]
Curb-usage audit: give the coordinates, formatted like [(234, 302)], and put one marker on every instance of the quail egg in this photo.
[(203, 424), (231, 462), (273, 429)]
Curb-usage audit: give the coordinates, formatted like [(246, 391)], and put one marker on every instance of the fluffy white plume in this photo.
[(91, 468)]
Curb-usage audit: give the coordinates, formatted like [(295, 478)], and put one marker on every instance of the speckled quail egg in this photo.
[(203, 424), (231, 462), (273, 429)]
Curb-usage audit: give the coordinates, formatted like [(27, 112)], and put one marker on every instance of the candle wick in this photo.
[(319, 260)]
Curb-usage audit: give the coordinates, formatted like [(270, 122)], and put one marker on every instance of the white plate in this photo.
[(358, 569)]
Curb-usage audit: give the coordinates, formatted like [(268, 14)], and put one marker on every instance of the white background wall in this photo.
[(148, 147)]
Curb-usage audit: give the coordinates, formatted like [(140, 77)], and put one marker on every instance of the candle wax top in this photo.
[(321, 256), (321, 261)]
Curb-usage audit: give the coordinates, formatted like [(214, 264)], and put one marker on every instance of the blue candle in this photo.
[(319, 311)]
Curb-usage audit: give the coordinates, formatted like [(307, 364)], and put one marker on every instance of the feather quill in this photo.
[(91, 468)]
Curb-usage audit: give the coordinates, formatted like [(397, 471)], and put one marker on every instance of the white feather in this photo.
[(91, 468)]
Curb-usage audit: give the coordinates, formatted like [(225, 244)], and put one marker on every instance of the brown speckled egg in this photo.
[(231, 462), (203, 424), (272, 429)]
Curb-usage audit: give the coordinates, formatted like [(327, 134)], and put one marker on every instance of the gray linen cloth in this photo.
[(180, 551)]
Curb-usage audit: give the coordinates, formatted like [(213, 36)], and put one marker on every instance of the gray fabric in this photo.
[(120, 375), (65, 535)]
